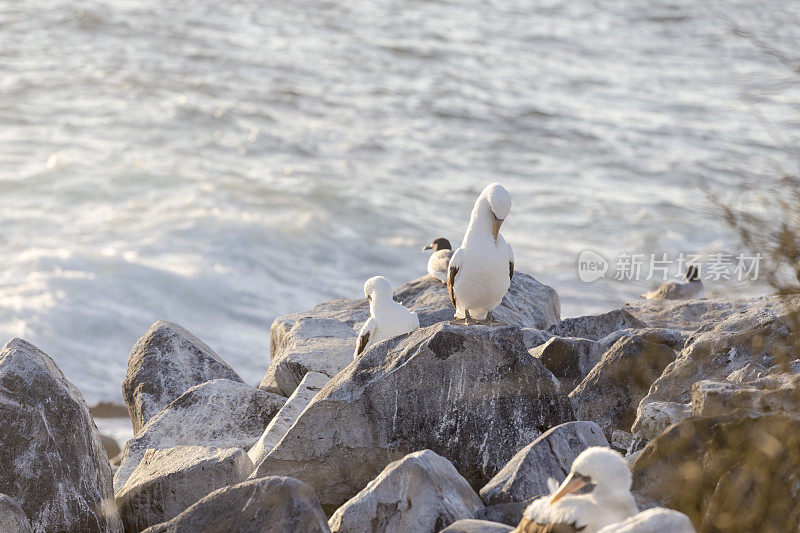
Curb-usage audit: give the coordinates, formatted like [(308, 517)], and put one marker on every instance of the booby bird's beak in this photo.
[(428, 247), (496, 223), (570, 485)]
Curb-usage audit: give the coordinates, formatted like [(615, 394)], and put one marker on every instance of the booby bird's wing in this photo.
[(653, 520), (541, 517), (510, 262), (452, 272), (364, 335)]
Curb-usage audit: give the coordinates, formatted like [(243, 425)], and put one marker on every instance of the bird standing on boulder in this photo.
[(387, 317), (480, 271), (439, 259), (674, 290), (610, 500)]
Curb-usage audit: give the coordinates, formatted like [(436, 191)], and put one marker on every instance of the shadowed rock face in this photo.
[(525, 476), (323, 339), (421, 492), (570, 359), (166, 362), (12, 517), (53, 461), (168, 481), (268, 504), (219, 413), (728, 474), (611, 392), (471, 394)]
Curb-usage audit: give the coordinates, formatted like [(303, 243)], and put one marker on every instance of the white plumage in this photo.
[(439, 260), (609, 502), (655, 520), (674, 290), (387, 317), (480, 271)]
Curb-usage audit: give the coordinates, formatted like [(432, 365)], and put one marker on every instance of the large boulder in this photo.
[(281, 422), (421, 492), (168, 481), (166, 362), (219, 413), (759, 333), (595, 327), (570, 359), (728, 474), (53, 461), (323, 339), (611, 392), (477, 526), (525, 476), (472, 394), (12, 517), (263, 505)]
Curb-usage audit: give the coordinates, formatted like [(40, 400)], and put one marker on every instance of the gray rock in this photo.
[(595, 327), (168, 481), (533, 337), (758, 333), (621, 440), (569, 359), (504, 513), (219, 413), (421, 492), (668, 337), (53, 461), (111, 446), (263, 505), (477, 526), (323, 339), (749, 372), (166, 362), (472, 394), (760, 397), (12, 517), (654, 417), (281, 422), (688, 315), (611, 393), (525, 476)]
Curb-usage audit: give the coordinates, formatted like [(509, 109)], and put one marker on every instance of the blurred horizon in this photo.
[(218, 165)]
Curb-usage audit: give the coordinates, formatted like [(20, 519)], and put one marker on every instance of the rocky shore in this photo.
[(449, 427)]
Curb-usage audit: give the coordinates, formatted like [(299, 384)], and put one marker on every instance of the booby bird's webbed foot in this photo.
[(466, 321), (490, 321)]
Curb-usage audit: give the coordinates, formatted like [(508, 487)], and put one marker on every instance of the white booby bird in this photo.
[(480, 271), (675, 290), (387, 317), (439, 259), (610, 500), (655, 520)]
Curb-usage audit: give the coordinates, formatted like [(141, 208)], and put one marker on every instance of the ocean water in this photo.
[(218, 164)]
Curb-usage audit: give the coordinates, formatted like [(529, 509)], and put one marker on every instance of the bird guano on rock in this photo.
[(439, 260), (387, 317), (480, 271)]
